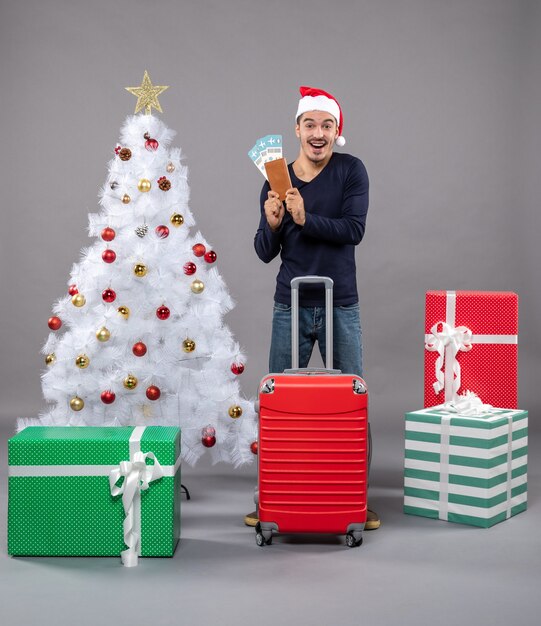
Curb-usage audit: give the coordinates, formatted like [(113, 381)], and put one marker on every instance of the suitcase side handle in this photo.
[(295, 283)]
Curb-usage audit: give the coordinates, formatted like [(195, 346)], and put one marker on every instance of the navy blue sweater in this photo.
[(336, 204)]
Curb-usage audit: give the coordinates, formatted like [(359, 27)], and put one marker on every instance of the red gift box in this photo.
[(471, 345)]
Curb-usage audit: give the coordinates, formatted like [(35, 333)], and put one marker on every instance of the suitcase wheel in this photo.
[(352, 542), (263, 537)]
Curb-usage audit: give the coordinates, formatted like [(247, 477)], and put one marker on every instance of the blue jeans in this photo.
[(347, 352)]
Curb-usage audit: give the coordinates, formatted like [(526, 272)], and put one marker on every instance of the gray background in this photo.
[(441, 101)]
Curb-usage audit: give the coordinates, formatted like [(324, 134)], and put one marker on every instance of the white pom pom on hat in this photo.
[(313, 99)]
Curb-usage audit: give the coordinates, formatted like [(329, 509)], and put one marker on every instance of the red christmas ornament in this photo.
[(253, 447), (162, 312), (139, 349), (199, 249), (108, 295), (72, 290), (118, 149), (108, 234), (150, 144), (108, 256), (162, 231), (153, 392), (210, 256), (108, 397), (190, 268), (208, 442), (237, 368), (54, 323)]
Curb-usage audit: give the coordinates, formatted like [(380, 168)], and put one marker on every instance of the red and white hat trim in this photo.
[(313, 99)]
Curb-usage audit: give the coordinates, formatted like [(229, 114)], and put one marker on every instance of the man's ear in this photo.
[(298, 131)]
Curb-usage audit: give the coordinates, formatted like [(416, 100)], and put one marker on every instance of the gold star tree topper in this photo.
[(147, 95)]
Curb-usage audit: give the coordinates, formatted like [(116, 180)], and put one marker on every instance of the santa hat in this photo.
[(313, 99)]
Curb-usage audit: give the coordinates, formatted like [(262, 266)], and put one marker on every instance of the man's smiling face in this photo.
[(317, 131)]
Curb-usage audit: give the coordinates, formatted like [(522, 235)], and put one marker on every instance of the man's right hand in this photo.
[(274, 210)]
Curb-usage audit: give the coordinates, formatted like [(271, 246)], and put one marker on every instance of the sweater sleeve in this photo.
[(350, 227), (267, 243)]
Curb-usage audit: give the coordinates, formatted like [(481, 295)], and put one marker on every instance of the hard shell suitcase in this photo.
[(313, 444)]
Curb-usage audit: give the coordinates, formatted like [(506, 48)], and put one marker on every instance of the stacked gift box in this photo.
[(466, 451), (471, 344), (468, 469), (94, 491)]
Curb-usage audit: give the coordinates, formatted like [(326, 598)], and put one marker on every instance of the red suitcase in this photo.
[(313, 445)]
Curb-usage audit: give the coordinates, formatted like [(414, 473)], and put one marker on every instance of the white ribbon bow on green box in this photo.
[(137, 477)]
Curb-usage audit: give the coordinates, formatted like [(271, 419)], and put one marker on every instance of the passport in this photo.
[(278, 176)]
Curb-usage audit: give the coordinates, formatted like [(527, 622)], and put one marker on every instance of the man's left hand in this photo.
[(295, 206)]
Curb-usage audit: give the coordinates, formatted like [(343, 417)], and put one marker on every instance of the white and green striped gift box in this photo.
[(470, 470)]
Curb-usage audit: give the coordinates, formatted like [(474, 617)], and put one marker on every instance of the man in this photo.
[(315, 231)]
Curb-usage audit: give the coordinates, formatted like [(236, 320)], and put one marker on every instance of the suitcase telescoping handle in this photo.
[(328, 282)]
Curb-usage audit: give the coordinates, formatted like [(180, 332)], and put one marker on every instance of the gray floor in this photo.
[(410, 571)]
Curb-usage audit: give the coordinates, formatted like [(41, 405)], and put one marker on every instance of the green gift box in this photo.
[(466, 469), (94, 491)]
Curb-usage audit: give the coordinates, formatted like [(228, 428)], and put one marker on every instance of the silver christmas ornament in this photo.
[(141, 231)]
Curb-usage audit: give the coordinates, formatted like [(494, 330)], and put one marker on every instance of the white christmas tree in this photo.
[(140, 339)]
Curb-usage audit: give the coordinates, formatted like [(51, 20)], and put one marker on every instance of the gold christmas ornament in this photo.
[(82, 361), (124, 311), (144, 185), (50, 358), (235, 411), (130, 382), (78, 300), (77, 404), (126, 199), (147, 95), (140, 270), (198, 286), (176, 219), (103, 334), (170, 168), (188, 345)]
